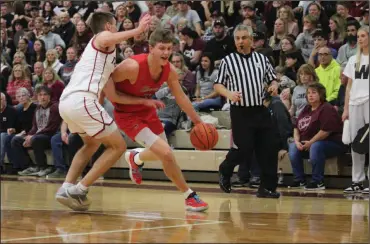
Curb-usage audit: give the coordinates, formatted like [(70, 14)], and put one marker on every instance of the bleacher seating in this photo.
[(192, 160)]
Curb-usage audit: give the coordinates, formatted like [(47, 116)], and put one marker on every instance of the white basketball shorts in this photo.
[(85, 116)]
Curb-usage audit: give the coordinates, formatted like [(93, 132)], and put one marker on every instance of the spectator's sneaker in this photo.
[(264, 193), (76, 202), (45, 172), (313, 186), (224, 182), (239, 183), (365, 191), (354, 188), (58, 173), (298, 184), (254, 182), (195, 204), (31, 171), (135, 170)]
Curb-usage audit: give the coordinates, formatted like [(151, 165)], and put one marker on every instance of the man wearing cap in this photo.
[(51, 39), (160, 13), (249, 12), (222, 44), (192, 16), (259, 45)]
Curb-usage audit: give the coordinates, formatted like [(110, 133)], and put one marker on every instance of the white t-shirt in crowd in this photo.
[(359, 93)]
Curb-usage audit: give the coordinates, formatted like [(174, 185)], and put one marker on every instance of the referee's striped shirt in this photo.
[(247, 74)]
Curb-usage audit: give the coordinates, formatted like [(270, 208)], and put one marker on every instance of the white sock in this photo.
[(187, 193), (67, 185), (81, 187), (137, 159)]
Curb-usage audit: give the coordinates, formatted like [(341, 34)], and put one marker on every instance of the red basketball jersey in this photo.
[(144, 86)]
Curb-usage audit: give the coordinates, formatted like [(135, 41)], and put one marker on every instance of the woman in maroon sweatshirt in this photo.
[(317, 136), (52, 80)]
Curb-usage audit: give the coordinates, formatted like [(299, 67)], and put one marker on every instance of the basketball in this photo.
[(204, 136)]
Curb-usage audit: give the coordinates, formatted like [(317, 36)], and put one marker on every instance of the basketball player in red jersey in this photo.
[(141, 76)]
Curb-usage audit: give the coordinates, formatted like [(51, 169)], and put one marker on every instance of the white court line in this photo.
[(132, 216), (105, 232)]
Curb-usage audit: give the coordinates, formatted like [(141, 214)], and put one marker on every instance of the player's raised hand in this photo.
[(154, 103), (144, 22)]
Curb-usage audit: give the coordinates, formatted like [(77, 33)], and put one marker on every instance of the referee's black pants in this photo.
[(253, 131)]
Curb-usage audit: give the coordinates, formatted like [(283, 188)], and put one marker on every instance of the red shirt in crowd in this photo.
[(325, 118), (14, 85)]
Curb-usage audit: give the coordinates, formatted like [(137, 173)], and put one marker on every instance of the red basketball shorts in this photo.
[(131, 123)]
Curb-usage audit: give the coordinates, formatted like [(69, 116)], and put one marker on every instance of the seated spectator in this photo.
[(51, 39), (320, 40), (329, 74), (205, 96), (337, 32), (189, 78), (18, 79), (46, 123), (39, 53), (8, 123), (67, 69), (222, 44), (305, 41), (292, 63), (23, 47), (260, 45), (286, 85), (306, 76), (81, 37), (350, 48), (52, 80), (170, 115), (192, 17), (67, 29), (286, 13), (287, 46), (127, 52), (280, 31), (22, 127), (52, 60), (19, 58), (6, 70), (37, 78), (61, 54), (57, 142), (141, 45), (192, 46), (317, 136)]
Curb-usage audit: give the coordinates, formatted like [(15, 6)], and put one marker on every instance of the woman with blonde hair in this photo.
[(356, 107), (53, 81), (306, 76), (286, 13), (337, 31), (18, 79), (280, 31), (52, 60), (20, 58)]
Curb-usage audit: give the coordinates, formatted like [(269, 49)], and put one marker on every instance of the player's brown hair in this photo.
[(160, 35), (98, 21)]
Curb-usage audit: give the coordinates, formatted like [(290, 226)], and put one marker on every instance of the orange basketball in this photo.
[(204, 136)]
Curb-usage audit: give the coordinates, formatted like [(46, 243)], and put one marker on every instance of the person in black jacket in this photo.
[(284, 130), (8, 120)]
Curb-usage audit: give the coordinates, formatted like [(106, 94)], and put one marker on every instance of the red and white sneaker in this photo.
[(135, 170), (195, 204)]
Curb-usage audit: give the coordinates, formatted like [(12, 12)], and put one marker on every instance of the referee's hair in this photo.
[(98, 21), (242, 27)]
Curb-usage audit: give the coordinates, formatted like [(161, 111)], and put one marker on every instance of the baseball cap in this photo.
[(162, 3), (219, 22), (258, 36)]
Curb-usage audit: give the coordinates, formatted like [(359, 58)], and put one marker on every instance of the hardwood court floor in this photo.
[(154, 212)]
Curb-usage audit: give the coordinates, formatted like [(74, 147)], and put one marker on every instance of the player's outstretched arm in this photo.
[(182, 100), (108, 39)]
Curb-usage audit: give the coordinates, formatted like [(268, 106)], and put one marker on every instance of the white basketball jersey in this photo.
[(92, 72)]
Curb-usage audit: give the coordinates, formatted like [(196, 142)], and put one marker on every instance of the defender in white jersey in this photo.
[(80, 109)]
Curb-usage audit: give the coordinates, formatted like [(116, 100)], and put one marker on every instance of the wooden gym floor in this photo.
[(154, 212)]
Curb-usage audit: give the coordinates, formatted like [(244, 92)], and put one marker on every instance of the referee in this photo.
[(242, 78)]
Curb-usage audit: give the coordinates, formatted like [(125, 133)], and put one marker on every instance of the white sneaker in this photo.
[(365, 191), (354, 188)]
